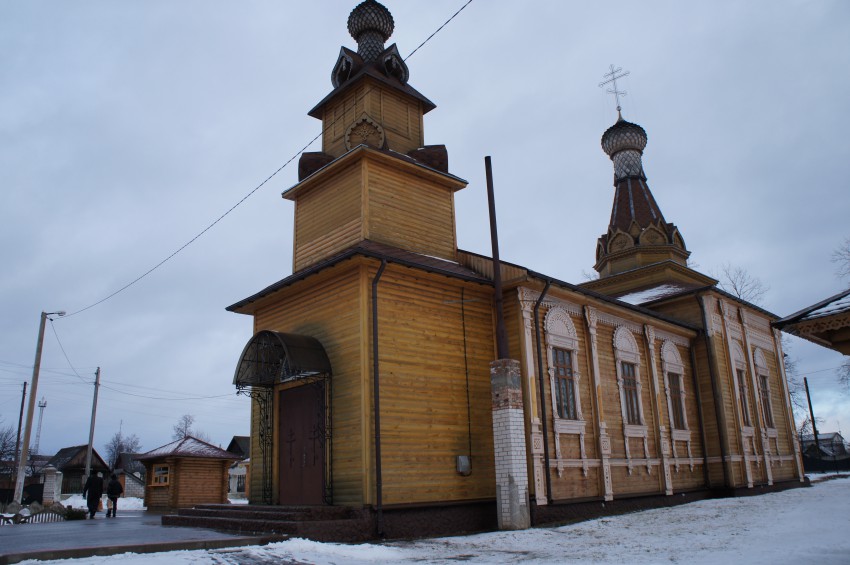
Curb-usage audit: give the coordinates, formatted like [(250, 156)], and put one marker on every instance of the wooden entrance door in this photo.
[(302, 454)]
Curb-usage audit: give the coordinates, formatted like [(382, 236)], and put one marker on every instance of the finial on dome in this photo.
[(370, 24)]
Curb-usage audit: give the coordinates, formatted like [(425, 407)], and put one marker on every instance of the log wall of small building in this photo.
[(198, 481)]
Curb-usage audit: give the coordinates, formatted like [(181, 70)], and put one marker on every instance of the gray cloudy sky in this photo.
[(126, 128)]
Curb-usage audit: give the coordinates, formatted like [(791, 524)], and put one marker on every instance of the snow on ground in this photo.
[(798, 526), (124, 503)]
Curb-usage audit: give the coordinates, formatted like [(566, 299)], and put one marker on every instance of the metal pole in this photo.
[(25, 446), (812, 416), (91, 429), (501, 334), (20, 423)]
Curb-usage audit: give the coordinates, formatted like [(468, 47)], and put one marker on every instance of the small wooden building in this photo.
[(184, 473), (71, 462)]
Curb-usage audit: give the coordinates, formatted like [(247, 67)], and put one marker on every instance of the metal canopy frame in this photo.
[(272, 358)]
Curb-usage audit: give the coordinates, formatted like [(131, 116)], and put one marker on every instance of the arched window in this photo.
[(562, 349), (628, 376), (763, 376), (739, 366), (674, 369)]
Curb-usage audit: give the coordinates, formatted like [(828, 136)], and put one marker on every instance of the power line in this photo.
[(63, 351), (438, 30)]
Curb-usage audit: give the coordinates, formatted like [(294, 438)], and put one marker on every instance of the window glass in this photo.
[(160, 475), (565, 391), (630, 393), (745, 403), (677, 400), (765, 401)]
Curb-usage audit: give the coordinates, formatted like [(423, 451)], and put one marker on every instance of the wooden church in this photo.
[(373, 370)]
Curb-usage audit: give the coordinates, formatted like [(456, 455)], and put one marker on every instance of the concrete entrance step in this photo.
[(318, 523)]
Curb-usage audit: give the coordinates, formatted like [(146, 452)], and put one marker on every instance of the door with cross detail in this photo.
[(301, 447)]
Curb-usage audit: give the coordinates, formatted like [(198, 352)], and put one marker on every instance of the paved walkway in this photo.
[(132, 531)]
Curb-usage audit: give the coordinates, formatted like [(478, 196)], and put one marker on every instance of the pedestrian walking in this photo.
[(113, 491), (92, 492)]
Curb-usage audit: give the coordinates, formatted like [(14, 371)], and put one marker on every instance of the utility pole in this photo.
[(812, 416), (20, 422), (42, 404), (25, 447), (91, 429)]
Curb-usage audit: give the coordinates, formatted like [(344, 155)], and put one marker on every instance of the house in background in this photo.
[(239, 471), (184, 473), (831, 444), (71, 462), (131, 474)]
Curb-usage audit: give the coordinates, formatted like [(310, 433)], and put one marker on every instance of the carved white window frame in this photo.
[(626, 351), (672, 366), (560, 332), (739, 369), (763, 376)]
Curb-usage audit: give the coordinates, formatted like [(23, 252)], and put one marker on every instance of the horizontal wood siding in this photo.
[(427, 413), (327, 307), (410, 212), (328, 218), (199, 481), (399, 115)]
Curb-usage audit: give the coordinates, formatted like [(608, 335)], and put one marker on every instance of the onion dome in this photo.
[(370, 24), (624, 143)]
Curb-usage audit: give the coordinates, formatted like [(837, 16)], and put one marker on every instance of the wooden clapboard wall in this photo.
[(329, 307), (371, 195), (399, 115), (436, 344)]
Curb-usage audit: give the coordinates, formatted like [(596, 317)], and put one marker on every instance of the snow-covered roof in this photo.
[(187, 447), (653, 293), (838, 305)]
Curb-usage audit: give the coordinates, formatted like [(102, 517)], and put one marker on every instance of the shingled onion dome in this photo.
[(370, 24), (638, 235), (624, 143)]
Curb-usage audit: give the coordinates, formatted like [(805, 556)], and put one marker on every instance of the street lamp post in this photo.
[(25, 447)]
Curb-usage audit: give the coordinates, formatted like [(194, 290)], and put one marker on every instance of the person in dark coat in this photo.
[(92, 492), (113, 491)]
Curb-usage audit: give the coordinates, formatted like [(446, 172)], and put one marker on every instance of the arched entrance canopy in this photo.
[(270, 358), (273, 357)]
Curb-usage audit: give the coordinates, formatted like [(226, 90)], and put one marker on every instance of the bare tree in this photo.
[(118, 444), (841, 258), (844, 373), (796, 389), (8, 439), (184, 427), (739, 282)]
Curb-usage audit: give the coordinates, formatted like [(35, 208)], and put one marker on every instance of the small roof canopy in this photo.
[(274, 357)]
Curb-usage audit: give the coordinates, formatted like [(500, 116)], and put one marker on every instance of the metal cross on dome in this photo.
[(613, 80)]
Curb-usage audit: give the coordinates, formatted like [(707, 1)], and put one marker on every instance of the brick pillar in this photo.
[(52, 485), (509, 445)]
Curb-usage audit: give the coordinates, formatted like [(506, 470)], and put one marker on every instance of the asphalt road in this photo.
[(132, 531)]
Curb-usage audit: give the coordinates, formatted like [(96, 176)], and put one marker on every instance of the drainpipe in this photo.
[(542, 394), (701, 417), (377, 400), (715, 389)]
